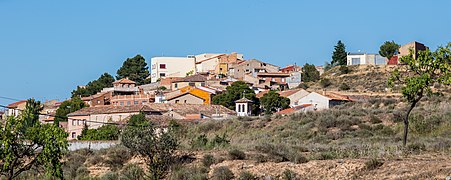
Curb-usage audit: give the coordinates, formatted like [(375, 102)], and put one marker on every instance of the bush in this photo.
[(236, 154), (373, 164), (219, 141), (82, 171), (374, 119), (344, 87), (288, 175), (280, 153), (110, 176), (117, 156), (132, 172), (326, 156), (325, 83), (95, 159), (199, 142), (416, 147), (245, 175), (74, 161), (303, 86), (222, 173), (189, 173), (344, 69), (208, 160)]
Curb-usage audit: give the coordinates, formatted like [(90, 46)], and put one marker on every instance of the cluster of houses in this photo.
[(360, 58), (182, 89)]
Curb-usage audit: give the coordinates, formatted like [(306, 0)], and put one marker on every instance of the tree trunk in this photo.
[(406, 121)]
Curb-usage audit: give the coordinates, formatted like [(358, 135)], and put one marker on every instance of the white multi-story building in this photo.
[(364, 58), (171, 67)]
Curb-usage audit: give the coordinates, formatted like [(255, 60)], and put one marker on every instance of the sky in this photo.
[(49, 47)]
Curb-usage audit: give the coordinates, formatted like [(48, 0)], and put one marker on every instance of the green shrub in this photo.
[(208, 160), (326, 155), (222, 173), (416, 147), (209, 126), (374, 119), (219, 141), (303, 86), (344, 69), (200, 142), (110, 176), (373, 164), (236, 154), (344, 87), (117, 156), (280, 153), (132, 172), (74, 161), (325, 82), (288, 175), (95, 159), (82, 171), (245, 175)]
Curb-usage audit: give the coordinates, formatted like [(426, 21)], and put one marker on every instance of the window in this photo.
[(136, 102), (176, 85), (78, 122), (283, 80), (98, 101), (73, 122), (220, 69), (192, 84), (177, 101), (202, 84), (242, 108), (162, 66), (272, 79), (162, 74), (355, 61), (74, 135), (128, 103), (185, 101), (122, 103), (144, 102)]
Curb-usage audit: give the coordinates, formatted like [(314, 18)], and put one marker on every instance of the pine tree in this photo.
[(339, 55), (135, 69)]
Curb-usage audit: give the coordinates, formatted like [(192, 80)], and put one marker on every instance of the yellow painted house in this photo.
[(202, 93)]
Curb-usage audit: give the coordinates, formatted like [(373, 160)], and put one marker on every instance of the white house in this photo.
[(171, 67), (364, 58), (323, 101)]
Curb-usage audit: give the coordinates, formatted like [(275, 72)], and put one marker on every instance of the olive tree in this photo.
[(418, 75)]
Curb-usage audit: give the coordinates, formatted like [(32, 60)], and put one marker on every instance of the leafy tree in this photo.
[(419, 75), (388, 49), (106, 132), (339, 55), (26, 144), (310, 73), (156, 145), (135, 69), (272, 102), (235, 92), (93, 87), (67, 107)]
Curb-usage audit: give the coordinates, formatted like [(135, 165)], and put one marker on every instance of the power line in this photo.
[(85, 120), (8, 98)]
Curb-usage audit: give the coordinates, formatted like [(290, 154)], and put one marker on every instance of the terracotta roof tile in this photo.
[(15, 104), (111, 109), (293, 109), (124, 81)]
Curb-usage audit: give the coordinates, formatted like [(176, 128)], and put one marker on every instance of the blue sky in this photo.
[(47, 47)]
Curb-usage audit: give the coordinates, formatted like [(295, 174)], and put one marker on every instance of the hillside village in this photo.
[(183, 88), (228, 106)]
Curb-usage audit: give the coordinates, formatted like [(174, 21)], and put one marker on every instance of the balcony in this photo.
[(125, 89)]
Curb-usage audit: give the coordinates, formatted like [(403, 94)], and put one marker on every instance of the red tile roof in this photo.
[(124, 81), (15, 104), (111, 110)]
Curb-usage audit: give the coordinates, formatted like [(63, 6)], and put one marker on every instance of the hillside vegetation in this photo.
[(352, 141)]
